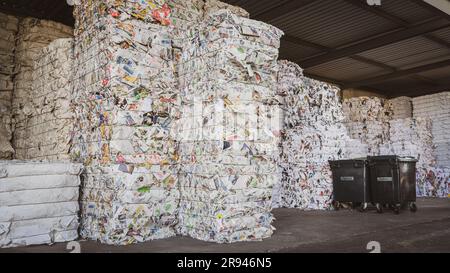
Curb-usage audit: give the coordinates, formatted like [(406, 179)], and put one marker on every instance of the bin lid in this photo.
[(392, 157)]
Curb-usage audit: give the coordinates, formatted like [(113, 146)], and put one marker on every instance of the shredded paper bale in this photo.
[(314, 134), (48, 127), (9, 26), (33, 36), (38, 203), (229, 129)]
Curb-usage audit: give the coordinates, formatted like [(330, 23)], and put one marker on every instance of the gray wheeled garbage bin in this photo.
[(351, 182), (393, 182)]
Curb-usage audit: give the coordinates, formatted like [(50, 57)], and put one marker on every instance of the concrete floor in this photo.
[(428, 230)]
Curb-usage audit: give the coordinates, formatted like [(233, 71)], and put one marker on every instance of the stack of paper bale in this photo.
[(412, 138), (314, 134), (212, 6), (126, 99), (33, 36), (367, 119), (8, 30), (46, 134), (435, 179), (38, 203), (437, 108), (401, 108), (229, 145)]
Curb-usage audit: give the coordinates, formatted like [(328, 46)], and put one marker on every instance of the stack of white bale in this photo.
[(47, 132), (314, 134), (33, 36), (230, 129), (38, 203), (9, 26), (436, 107), (126, 101)]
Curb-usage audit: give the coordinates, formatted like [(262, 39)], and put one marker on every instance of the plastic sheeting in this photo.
[(126, 101), (9, 26), (38, 203), (33, 36), (314, 134), (48, 128), (229, 128)]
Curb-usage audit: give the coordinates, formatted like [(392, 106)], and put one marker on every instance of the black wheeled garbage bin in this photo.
[(351, 182), (393, 182)]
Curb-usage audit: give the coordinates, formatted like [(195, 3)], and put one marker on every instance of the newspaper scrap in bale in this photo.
[(33, 36), (9, 26), (437, 108), (38, 203), (376, 122), (212, 6), (411, 138), (367, 119), (314, 134), (46, 134), (126, 101), (229, 128), (401, 108)]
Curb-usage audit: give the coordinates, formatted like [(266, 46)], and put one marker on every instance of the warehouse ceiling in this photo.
[(401, 47)]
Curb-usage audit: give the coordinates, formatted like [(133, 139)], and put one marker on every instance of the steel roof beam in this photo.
[(399, 74), (380, 41)]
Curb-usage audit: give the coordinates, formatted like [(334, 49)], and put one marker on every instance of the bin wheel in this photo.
[(336, 205), (356, 205), (363, 207), (396, 209), (379, 208), (413, 207)]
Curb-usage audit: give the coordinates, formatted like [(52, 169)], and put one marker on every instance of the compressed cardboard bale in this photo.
[(126, 101), (8, 30), (229, 127), (38, 202)]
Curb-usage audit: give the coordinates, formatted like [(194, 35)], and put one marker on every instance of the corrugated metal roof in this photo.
[(345, 41), (326, 22)]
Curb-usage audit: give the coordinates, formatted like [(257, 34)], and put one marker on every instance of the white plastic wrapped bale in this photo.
[(47, 131), (230, 129), (314, 134), (437, 108), (33, 36), (9, 26), (126, 101), (38, 203), (401, 108)]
